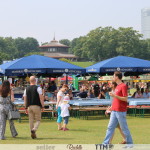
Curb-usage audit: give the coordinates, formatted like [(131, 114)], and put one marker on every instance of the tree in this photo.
[(65, 60), (27, 45), (32, 45), (10, 48), (21, 46), (73, 44), (103, 43), (34, 53), (65, 42), (128, 42), (145, 49), (78, 47), (3, 57)]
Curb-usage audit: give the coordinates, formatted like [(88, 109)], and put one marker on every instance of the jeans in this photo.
[(115, 118)]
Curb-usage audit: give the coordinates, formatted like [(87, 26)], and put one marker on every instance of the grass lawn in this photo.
[(90, 131), (83, 64)]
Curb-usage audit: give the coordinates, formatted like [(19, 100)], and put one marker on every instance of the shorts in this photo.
[(66, 119)]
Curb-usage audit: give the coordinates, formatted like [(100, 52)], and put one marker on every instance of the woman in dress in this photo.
[(6, 96)]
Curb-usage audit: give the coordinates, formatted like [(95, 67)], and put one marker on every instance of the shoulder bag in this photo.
[(13, 113)]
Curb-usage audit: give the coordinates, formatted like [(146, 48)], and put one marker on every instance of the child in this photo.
[(65, 112)]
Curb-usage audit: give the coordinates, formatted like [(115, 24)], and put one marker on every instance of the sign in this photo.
[(75, 82)]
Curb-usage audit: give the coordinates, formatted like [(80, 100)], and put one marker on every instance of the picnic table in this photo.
[(48, 112), (91, 102), (137, 102)]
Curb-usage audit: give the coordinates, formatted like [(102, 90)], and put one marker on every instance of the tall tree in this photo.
[(103, 43), (32, 44), (27, 45), (65, 42), (78, 48), (128, 42)]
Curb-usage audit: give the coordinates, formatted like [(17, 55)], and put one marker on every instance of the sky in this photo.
[(67, 19)]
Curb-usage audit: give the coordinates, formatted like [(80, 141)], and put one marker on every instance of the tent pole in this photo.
[(67, 79)]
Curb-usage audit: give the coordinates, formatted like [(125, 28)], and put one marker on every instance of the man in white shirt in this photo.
[(33, 101)]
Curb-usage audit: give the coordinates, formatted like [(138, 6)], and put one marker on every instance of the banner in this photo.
[(75, 82)]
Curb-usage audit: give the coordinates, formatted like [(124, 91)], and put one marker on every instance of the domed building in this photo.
[(56, 50)]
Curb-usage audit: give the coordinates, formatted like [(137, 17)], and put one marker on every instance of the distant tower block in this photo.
[(145, 22)]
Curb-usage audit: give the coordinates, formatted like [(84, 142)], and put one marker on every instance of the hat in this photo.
[(66, 98)]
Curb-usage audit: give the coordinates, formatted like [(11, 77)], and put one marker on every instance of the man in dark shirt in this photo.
[(96, 89), (83, 94), (34, 101)]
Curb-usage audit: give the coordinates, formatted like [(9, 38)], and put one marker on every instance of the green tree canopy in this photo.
[(103, 43), (65, 42)]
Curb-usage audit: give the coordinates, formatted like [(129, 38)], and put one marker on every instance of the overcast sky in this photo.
[(68, 19)]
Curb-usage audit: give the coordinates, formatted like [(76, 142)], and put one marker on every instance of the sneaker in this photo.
[(61, 129), (15, 135), (33, 135), (65, 129), (128, 146)]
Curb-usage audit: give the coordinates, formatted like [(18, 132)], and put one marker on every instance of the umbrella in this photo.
[(39, 65), (93, 78), (128, 65), (65, 78)]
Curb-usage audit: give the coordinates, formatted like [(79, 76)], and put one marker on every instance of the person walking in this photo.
[(108, 111), (119, 109), (65, 112), (33, 101), (60, 97), (6, 96)]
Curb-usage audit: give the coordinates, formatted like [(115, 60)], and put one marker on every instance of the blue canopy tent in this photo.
[(128, 65), (39, 65)]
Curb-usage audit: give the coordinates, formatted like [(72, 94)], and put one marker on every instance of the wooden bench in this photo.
[(48, 113), (86, 111)]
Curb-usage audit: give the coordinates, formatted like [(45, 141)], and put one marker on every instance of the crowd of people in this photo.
[(34, 97), (143, 93), (101, 91)]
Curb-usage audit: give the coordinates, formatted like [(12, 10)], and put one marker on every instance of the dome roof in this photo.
[(54, 43)]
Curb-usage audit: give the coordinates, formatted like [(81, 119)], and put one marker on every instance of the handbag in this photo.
[(13, 114)]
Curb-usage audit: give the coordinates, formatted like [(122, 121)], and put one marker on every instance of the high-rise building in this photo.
[(145, 22)]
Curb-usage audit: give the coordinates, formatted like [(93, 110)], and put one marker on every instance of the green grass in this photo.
[(81, 131), (83, 64)]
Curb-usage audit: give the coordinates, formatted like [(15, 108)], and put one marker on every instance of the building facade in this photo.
[(56, 50), (145, 23)]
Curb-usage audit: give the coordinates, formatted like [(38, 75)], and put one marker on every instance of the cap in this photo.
[(66, 98)]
